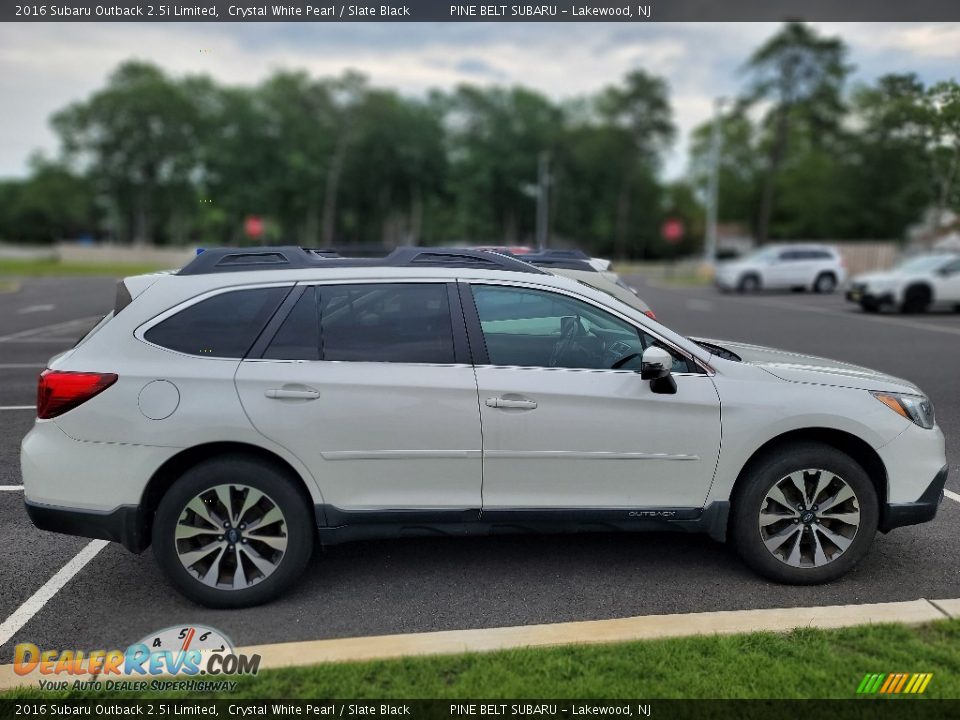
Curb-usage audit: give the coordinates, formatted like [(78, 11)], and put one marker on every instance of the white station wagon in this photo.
[(261, 401)]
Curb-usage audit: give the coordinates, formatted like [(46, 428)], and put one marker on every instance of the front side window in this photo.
[(537, 328), (377, 322), (223, 326)]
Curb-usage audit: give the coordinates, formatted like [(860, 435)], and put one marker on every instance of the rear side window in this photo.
[(377, 322), (224, 325)]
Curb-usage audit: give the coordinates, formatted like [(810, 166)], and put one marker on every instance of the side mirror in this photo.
[(656, 363), (656, 367)]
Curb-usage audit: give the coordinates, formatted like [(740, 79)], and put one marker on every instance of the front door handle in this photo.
[(518, 404), (292, 394)]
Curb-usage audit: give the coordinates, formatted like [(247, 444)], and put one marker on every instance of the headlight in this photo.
[(916, 408)]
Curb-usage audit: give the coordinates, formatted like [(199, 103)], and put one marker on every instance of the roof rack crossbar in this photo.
[(220, 260)]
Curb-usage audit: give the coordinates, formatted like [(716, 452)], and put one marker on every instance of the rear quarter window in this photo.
[(224, 325)]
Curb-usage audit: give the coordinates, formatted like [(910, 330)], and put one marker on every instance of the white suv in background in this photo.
[(915, 285), (820, 268), (260, 401)]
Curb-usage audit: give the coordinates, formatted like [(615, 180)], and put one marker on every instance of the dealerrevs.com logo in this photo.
[(191, 657)]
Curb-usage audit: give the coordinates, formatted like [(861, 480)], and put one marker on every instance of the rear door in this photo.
[(370, 385), (790, 269)]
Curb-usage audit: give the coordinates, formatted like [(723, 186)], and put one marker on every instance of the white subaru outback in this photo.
[(259, 401)]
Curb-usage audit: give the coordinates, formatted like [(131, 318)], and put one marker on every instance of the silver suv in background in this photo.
[(807, 266), (915, 285)]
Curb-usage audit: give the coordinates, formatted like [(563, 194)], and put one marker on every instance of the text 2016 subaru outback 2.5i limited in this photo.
[(260, 400)]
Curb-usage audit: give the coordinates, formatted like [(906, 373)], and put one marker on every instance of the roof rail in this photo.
[(221, 260), (551, 260)]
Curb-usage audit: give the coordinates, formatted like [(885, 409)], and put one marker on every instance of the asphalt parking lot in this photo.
[(417, 585)]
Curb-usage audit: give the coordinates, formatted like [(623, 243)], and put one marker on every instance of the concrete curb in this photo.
[(645, 627)]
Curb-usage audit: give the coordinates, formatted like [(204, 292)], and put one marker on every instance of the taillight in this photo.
[(650, 314), (58, 392)]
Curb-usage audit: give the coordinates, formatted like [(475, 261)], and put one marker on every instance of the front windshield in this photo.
[(923, 263)]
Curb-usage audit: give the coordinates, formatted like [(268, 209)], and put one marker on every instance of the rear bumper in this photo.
[(125, 524), (896, 515)]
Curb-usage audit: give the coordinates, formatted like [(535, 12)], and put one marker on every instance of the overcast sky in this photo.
[(45, 66)]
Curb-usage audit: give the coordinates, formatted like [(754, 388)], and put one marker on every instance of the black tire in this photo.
[(749, 284), (750, 498), (281, 490), (916, 299), (825, 283)]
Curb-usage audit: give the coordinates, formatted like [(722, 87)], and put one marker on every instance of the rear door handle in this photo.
[(292, 394), (499, 402)]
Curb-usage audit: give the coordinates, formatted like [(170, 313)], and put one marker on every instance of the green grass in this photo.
[(45, 268), (802, 664)]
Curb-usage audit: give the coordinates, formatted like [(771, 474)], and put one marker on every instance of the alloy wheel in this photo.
[(231, 536), (809, 518)]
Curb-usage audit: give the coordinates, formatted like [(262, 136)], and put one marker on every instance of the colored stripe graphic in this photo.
[(894, 683)]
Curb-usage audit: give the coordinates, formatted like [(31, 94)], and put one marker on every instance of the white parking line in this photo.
[(35, 308), (699, 305), (66, 326), (35, 340), (11, 488), (18, 407), (952, 495), (34, 604)]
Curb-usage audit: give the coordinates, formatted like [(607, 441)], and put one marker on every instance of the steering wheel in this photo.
[(569, 332), (625, 359)]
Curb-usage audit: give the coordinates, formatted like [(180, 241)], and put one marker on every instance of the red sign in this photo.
[(672, 230), (253, 227)]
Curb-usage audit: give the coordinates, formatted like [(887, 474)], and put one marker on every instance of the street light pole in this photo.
[(543, 199), (713, 186)]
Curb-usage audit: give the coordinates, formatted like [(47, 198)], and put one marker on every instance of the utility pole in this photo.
[(713, 186), (543, 199)]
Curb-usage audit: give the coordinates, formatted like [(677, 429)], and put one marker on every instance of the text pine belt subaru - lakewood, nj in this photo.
[(258, 401)]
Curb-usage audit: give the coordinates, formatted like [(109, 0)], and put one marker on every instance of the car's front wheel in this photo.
[(233, 532), (804, 515), (749, 283)]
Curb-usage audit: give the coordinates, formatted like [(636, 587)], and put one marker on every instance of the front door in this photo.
[(568, 423), (369, 385)]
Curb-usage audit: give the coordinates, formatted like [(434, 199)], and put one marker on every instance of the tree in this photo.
[(641, 107), (941, 118), (52, 204), (495, 138), (890, 177), (802, 76), (137, 140), (740, 172), (397, 166)]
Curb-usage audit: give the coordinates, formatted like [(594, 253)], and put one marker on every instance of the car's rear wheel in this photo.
[(825, 283), (804, 515), (233, 532)]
